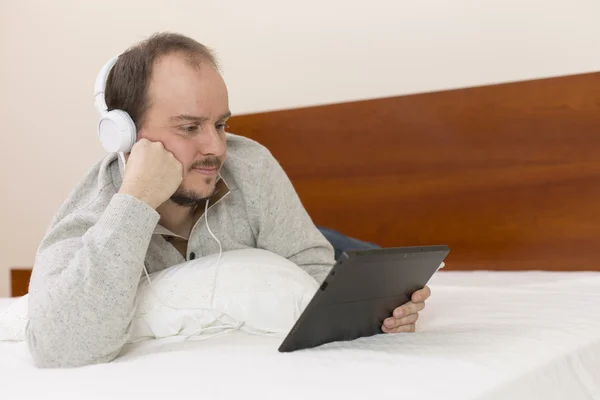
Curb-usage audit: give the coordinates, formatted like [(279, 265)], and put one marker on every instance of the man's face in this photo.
[(188, 109)]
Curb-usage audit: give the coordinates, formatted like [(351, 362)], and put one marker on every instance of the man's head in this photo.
[(171, 87)]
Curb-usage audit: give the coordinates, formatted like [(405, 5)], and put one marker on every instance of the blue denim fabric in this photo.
[(341, 242)]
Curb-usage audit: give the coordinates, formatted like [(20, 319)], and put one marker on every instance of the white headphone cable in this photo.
[(228, 327)]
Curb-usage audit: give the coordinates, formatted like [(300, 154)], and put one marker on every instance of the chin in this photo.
[(191, 197), (204, 186), (202, 192)]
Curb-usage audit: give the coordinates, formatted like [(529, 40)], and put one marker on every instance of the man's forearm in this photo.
[(83, 288)]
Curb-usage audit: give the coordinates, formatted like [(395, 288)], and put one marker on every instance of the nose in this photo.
[(211, 142)]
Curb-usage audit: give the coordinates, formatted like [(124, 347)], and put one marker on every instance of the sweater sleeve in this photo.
[(84, 283), (286, 227)]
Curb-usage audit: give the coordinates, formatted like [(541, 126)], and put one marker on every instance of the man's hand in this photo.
[(152, 173), (404, 317)]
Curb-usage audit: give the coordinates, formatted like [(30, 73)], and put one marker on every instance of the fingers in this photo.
[(403, 318), (421, 295), (406, 324), (401, 329), (407, 309)]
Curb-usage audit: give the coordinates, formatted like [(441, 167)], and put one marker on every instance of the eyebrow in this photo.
[(197, 119)]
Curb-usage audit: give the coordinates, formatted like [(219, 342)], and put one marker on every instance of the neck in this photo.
[(178, 219)]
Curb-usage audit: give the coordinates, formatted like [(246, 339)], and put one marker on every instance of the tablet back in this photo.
[(361, 290)]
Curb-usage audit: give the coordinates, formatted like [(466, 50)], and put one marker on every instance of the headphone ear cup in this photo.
[(116, 131)]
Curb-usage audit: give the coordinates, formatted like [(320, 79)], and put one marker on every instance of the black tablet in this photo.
[(362, 289)]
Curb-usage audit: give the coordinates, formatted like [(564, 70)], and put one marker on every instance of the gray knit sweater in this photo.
[(89, 264)]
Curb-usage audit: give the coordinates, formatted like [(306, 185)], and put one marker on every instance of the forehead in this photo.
[(180, 86)]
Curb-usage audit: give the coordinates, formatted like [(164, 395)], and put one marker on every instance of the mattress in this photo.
[(483, 335)]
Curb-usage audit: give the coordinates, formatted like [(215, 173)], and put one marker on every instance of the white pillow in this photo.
[(262, 290), (13, 320)]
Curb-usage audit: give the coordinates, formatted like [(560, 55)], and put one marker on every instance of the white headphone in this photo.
[(116, 129)]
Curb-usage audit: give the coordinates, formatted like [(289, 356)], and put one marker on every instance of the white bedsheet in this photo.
[(5, 302), (483, 335)]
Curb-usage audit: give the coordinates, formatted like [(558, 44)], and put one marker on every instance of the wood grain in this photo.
[(506, 175), (19, 281)]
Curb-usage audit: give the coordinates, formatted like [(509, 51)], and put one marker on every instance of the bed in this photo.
[(506, 175), (485, 335)]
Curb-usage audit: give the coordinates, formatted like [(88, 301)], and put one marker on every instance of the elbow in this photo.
[(67, 350)]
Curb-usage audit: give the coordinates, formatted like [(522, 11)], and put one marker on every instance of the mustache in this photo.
[(209, 162)]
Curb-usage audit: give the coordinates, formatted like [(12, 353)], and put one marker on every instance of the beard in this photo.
[(189, 198)]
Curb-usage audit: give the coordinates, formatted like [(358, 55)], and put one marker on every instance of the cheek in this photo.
[(182, 150), (177, 145)]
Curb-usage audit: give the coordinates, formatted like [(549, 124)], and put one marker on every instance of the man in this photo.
[(120, 219)]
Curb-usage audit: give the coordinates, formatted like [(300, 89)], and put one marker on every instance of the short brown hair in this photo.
[(127, 83)]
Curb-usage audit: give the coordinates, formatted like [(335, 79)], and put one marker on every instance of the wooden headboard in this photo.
[(507, 175)]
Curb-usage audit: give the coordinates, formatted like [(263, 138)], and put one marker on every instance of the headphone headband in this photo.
[(100, 85)]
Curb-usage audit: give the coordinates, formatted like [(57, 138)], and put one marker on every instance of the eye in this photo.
[(222, 127), (189, 128)]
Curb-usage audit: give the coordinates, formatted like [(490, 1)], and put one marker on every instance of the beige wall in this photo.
[(275, 55)]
